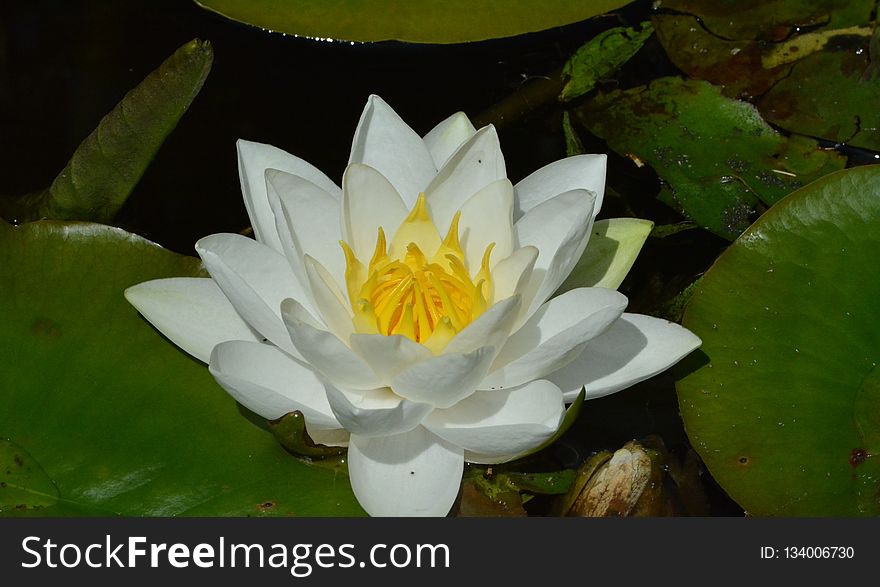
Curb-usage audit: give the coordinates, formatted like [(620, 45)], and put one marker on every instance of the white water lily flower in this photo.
[(408, 315)]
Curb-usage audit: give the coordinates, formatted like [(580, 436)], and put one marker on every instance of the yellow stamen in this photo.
[(355, 274), (389, 308), (450, 248), (441, 336), (424, 325), (417, 228), (379, 254), (484, 275), (365, 318), (407, 324), (414, 257), (429, 299), (478, 302), (449, 309), (418, 286)]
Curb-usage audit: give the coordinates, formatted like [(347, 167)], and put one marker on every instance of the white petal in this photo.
[(511, 274), (410, 474), (368, 202), (376, 412), (445, 138), (635, 348), (388, 355), (255, 279), (444, 380), (491, 328), (326, 353), (253, 160), (386, 143), (270, 383), (191, 311), (579, 172), (501, 423), (475, 165), (289, 245), (611, 252), (559, 228), (338, 437), (554, 335), (307, 219), (293, 310), (329, 299), (487, 217)]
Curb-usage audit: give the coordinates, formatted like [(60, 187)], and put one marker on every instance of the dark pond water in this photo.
[(63, 65)]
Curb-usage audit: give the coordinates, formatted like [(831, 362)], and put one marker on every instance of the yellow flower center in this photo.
[(419, 286)]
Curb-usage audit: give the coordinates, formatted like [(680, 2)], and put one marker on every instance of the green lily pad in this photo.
[(496, 481), (118, 420), (107, 165), (23, 483), (735, 65), (801, 102), (721, 164), (446, 21), (600, 57), (785, 413), (552, 483), (573, 144), (763, 47), (771, 20), (801, 46)]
